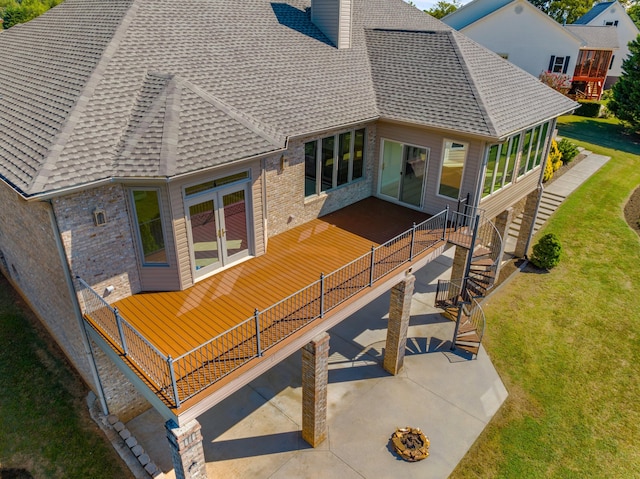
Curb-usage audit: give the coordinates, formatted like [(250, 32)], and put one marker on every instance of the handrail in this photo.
[(188, 374), (108, 322)]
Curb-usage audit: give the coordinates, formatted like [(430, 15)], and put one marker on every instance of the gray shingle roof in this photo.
[(596, 36), (597, 9), (445, 80), (82, 99)]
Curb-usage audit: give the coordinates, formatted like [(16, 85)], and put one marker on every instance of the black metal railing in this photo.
[(183, 377)]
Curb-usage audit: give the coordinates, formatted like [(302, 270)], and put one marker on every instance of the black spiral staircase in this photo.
[(460, 298)]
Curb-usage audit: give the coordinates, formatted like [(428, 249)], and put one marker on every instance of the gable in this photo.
[(472, 12)]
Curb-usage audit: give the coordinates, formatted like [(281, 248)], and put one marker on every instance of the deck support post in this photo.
[(398, 325), (315, 379), (502, 224), (527, 224), (459, 263), (187, 452)]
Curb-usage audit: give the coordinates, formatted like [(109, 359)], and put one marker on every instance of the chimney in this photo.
[(333, 18)]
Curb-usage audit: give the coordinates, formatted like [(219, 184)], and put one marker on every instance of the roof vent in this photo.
[(333, 18)]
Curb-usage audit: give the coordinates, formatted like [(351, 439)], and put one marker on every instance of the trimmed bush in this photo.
[(588, 108), (546, 252), (568, 150), (554, 161)]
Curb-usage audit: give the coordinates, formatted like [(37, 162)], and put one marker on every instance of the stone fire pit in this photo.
[(410, 443)]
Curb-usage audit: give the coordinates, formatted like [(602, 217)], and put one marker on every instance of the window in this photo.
[(611, 24), (333, 161), (150, 230), (501, 164), (559, 64), (502, 159), (452, 167)]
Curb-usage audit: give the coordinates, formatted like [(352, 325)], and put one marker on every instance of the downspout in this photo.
[(540, 187), (76, 307)]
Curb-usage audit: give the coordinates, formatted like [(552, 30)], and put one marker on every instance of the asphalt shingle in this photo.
[(155, 88)]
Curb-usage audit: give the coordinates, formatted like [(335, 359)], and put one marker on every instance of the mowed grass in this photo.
[(44, 423), (567, 343)]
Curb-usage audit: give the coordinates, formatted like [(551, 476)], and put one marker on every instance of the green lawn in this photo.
[(44, 422), (567, 343)]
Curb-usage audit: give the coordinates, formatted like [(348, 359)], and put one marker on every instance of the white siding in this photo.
[(626, 29), (333, 18), (526, 35)]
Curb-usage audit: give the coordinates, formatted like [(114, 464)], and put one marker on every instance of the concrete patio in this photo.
[(256, 432)]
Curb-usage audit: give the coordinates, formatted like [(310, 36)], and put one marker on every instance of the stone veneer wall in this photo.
[(103, 256), (286, 204)]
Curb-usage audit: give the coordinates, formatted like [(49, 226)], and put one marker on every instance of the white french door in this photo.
[(218, 227)]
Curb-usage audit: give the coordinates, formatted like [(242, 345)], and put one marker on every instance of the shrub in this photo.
[(588, 108), (554, 162), (568, 150), (546, 252), (558, 81)]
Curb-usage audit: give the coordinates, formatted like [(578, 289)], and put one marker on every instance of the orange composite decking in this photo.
[(177, 322)]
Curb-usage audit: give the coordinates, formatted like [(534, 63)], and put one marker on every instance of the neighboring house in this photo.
[(189, 168), (613, 14), (594, 60), (519, 32), (535, 42)]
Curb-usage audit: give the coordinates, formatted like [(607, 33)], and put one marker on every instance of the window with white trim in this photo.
[(150, 230), (333, 161)]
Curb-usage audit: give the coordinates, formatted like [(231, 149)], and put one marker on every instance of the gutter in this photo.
[(76, 308)]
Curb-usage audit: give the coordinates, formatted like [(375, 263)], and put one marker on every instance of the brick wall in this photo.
[(104, 256), (286, 204), (101, 255), (33, 264)]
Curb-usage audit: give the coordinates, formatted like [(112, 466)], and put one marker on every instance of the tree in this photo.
[(625, 103), (443, 8), (13, 12), (564, 11), (634, 13)]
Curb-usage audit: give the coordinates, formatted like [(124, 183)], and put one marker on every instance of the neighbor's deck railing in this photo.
[(183, 377)]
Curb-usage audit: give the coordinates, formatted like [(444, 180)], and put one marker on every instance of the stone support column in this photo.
[(187, 452), (399, 314), (315, 378), (459, 263), (502, 224), (528, 219)]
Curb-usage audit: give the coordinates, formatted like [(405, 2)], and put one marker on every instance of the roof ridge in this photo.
[(256, 126), (38, 184), (454, 34), (138, 125)]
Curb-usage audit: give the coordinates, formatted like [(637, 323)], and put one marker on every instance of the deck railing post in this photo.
[(446, 221), (322, 295), (174, 385), (125, 350), (256, 315), (413, 239), (373, 263)]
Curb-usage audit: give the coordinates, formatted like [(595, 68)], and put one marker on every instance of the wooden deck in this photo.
[(210, 331), (176, 322)]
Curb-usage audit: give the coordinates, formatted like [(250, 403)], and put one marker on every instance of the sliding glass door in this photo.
[(403, 172)]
